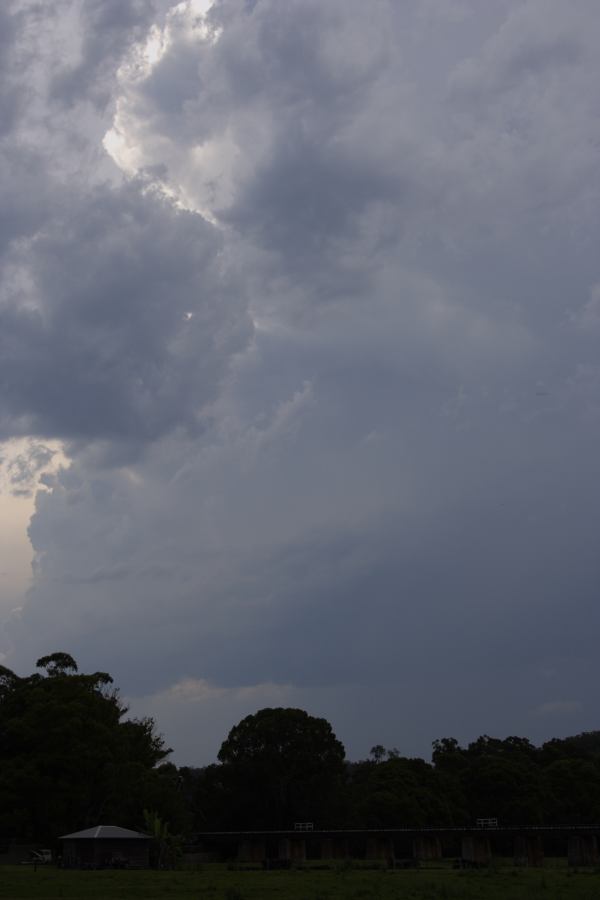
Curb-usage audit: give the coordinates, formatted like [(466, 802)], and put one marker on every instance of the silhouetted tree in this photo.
[(279, 766), (68, 758)]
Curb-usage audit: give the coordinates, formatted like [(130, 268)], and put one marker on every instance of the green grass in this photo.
[(215, 882)]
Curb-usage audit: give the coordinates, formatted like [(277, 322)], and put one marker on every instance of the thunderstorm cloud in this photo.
[(305, 299)]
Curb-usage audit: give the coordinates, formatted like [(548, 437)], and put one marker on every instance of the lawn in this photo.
[(217, 883)]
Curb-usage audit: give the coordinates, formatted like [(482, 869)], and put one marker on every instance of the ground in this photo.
[(214, 882)]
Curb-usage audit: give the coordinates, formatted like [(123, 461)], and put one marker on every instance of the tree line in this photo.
[(70, 759)]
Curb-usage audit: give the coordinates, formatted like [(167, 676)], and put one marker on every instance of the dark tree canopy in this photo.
[(67, 755), (70, 758), (521, 784), (284, 765), (265, 780), (57, 663), (285, 737)]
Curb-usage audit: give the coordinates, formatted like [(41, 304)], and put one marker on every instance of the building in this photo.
[(105, 846)]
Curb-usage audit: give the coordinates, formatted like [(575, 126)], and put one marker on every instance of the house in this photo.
[(105, 846)]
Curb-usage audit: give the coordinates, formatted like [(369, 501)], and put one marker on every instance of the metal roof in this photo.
[(105, 831)]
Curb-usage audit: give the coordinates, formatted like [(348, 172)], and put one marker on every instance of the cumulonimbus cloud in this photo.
[(320, 349)]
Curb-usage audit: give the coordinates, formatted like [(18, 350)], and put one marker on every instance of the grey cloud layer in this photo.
[(389, 479), (123, 324)]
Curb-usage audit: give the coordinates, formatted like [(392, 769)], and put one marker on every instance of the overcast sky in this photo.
[(299, 360)]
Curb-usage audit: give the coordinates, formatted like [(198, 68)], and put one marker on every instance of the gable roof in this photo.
[(105, 831)]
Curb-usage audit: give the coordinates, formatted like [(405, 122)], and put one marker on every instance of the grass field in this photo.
[(217, 883)]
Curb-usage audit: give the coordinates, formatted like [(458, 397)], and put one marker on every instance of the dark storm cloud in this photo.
[(11, 94), (26, 195), (124, 324), (383, 496), (108, 28)]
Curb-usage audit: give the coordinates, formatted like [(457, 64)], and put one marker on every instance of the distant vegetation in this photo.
[(70, 759)]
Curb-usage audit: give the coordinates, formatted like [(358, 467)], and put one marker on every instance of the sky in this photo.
[(299, 361)]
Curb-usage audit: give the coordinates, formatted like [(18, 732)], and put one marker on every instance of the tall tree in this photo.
[(279, 766), (68, 757)]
